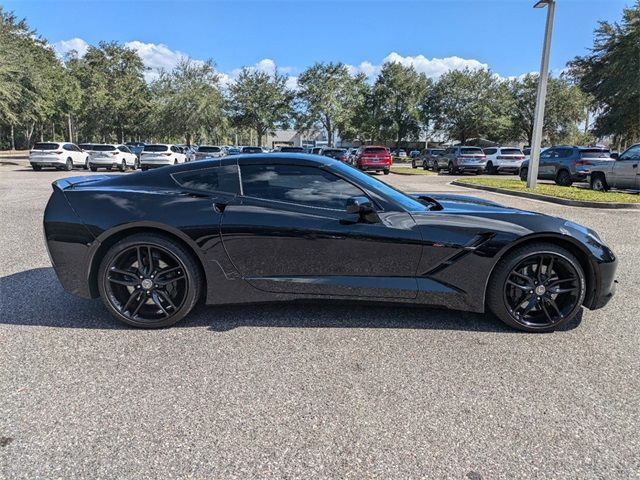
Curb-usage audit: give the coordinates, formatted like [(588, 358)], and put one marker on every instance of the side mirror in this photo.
[(614, 155), (361, 205)]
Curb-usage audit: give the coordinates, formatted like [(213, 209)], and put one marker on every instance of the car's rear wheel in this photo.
[(386, 172), (36, 168), (69, 165), (93, 169), (537, 288), (451, 168), (147, 280), (86, 163), (599, 183), (413, 164), (563, 178), (523, 174), (491, 170), (123, 166)]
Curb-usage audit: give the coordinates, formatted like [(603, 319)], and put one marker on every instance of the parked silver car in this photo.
[(622, 173), (462, 159)]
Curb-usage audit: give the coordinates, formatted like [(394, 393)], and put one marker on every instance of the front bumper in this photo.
[(605, 285)]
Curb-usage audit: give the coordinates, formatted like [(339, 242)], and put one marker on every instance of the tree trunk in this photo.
[(259, 137), (329, 132), (188, 138), (13, 139), (121, 134), (69, 125), (53, 131)]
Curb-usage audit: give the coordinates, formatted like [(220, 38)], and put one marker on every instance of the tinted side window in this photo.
[(548, 153), (216, 179), (564, 152), (490, 151), (297, 184), (67, 147), (633, 153)]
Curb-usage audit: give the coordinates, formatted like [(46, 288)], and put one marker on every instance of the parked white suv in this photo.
[(159, 155), (62, 156), (503, 159), (112, 156)]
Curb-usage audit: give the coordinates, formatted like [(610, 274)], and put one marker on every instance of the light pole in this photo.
[(538, 119)]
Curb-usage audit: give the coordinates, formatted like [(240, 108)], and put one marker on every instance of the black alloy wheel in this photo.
[(147, 280), (537, 288)]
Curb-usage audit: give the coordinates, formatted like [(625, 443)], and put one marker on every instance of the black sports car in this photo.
[(274, 227)]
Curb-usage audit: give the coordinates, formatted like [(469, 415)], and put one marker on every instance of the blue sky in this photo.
[(505, 35)]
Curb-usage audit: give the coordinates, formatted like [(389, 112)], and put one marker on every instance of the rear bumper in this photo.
[(374, 166), (471, 168), (47, 161), (155, 162)]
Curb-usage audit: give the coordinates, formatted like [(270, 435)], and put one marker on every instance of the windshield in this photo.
[(46, 146), (209, 149), (251, 150), (292, 149), (155, 148), (408, 203), (103, 148)]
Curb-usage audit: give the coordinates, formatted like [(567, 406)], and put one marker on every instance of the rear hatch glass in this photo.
[(103, 148), (510, 151), (252, 150), (209, 150), (471, 151), (155, 148), (46, 146), (595, 153), (375, 151)]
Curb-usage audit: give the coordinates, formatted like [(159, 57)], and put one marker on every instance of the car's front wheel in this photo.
[(149, 281), (537, 288), (36, 168), (413, 164), (599, 183), (523, 174)]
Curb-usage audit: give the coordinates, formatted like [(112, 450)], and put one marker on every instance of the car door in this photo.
[(546, 167), (626, 170), (289, 232)]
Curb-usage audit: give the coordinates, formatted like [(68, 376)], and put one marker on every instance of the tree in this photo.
[(397, 93), (328, 96), (610, 75), (187, 101), (260, 101), (564, 108), (468, 104), (114, 92)]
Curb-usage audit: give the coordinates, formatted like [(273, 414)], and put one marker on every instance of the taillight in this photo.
[(114, 153), (167, 154), (58, 152)]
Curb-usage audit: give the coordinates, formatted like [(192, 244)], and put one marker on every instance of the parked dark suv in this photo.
[(566, 164), (426, 158), (461, 159)]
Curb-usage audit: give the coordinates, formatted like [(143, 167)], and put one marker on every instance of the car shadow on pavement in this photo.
[(35, 298)]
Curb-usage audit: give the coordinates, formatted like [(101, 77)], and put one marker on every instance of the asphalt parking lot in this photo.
[(292, 391)]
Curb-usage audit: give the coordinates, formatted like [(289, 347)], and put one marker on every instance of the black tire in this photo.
[(563, 178), (93, 169), (144, 169), (543, 319), (36, 168), (425, 166), (599, 183), (136, 164), (123, 166), (69, 165), (523, 174), (491, 170), (157, 311), (451, 168), (175, 162), (386, 172), (86, 163), (413, 164)]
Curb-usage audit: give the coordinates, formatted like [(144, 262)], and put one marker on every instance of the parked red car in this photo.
[(375, 158)]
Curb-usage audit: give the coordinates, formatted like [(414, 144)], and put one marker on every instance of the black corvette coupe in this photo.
[(261, 228)]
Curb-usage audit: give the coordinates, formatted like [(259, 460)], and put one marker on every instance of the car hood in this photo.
[(462, 203)]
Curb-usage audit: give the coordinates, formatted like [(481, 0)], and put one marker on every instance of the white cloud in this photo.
[(433, 68), (65, 46), (158, 56)]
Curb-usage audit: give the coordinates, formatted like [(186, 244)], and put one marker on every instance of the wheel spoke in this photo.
[(139, 256), (150, 259), (142, 301), (553, 304), (521, 276), (517, 285), (126, 283), (539, 268), (550, 267), (126, 273), (561, 281), (559, 291), (158, 302), (166, 297), (133, 296), (546, 312), (532, 303)]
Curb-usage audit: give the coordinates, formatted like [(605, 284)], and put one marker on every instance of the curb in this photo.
[(547, 198)]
